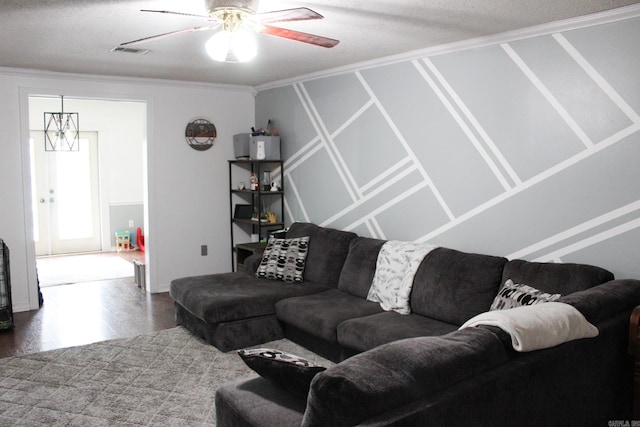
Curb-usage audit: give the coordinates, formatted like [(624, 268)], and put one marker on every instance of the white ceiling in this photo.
[(77, 35)]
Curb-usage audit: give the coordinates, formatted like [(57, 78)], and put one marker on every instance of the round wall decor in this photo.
[(200, 134)]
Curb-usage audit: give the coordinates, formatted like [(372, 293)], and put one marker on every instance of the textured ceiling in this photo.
[(77, 35)]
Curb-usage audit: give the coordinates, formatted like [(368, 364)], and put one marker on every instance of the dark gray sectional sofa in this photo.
[(415, 369)]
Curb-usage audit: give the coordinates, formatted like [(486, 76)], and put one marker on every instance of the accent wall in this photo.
[(527, 147)]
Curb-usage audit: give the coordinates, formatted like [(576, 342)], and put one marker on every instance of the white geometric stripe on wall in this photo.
[(581, 230), (406, 146), (527, 149), (467, 128), (544, 91)]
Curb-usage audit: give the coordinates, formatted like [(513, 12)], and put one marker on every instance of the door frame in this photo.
[(71, 91)]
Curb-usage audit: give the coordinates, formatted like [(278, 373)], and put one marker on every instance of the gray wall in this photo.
[(527, 149)]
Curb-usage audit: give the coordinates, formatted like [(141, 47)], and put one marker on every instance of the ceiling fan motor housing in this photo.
[(248, 6)]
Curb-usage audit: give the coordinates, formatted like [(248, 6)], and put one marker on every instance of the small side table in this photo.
[(245, 250)]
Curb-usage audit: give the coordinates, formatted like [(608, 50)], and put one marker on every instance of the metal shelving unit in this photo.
[(256, 199)]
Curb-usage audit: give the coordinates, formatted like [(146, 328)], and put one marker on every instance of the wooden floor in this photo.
[(84, 313)]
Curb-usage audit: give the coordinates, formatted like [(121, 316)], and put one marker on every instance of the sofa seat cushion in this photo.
[(328, 249), (555, 278), (365, 333), (217, 298), (257, 402), (392, 375), (454, 286), (320, 314)]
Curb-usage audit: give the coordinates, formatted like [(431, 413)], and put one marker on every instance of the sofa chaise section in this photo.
[(233, 310)]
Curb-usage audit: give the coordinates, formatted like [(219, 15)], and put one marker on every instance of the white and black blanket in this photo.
[(396, 268)]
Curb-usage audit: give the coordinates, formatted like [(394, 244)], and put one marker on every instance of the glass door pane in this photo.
[(73, 198)]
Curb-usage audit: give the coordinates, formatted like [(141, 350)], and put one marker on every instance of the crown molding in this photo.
[(43, 74), (599, 18)]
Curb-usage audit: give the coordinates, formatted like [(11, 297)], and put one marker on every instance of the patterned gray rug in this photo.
[(167, 378)]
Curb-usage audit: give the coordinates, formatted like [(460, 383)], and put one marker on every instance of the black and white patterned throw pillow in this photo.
[(284, 259), (517, 294), (287, 370)]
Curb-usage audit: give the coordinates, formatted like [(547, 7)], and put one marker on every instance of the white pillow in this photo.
[(396, 268), (533, 327)]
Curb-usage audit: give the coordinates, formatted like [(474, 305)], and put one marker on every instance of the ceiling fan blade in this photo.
[(175, 13), (172, 33), (298, 36), (286, 15)]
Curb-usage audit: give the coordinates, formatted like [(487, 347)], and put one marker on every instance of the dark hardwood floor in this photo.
[(84, 313)]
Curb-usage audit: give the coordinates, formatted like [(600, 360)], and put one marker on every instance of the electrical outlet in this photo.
[(131, 223), (203, 250)]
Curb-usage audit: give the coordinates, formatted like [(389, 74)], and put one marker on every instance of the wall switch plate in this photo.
[(131, 223), (203, 250)]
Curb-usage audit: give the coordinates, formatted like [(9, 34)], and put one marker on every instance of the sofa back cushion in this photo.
[(555, 278), (453, 286), (602, 302), (328, 249), (360, 266)]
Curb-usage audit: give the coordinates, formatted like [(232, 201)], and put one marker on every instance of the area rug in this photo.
[(166, 378), (63, 270)]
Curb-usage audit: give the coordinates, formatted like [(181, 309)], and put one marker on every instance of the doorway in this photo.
[(66, 197), (79, 200)]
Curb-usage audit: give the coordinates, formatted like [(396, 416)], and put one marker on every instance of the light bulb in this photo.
[(231, 46)]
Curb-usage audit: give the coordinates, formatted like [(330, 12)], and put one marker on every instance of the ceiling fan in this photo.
[(235, 17)]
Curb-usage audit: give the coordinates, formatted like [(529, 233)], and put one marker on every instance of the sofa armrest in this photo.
[(606, 300), (396, 374)]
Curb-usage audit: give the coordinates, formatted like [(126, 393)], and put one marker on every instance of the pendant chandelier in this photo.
[(61, 132)]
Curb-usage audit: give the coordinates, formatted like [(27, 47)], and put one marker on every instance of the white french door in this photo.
[(66, 203)]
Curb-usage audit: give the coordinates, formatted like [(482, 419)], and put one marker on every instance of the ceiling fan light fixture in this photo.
[(234, 43), (232, 46), (217, 6)]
